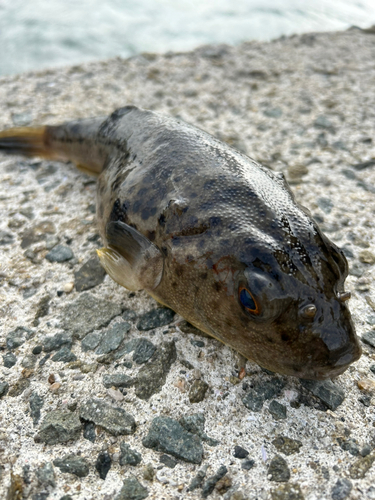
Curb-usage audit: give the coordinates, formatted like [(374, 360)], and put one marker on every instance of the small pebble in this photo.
[(278, 470), (103, 464), (55, 387), (240, 452), (37, 349), (341, 489), (366, 385), (9, 360), (247, 464), (115, 395), (60, 253), (277, 410), (198, 391), (68, 287)]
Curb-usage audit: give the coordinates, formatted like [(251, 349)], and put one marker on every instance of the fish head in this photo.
[(285, 309)]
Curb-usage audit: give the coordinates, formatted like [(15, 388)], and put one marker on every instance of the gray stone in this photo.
[(197, 480), (240, 452), (323, 122), (64, 355), (273, 112), (60, 253), (198, 391), (132, 490), (112, 338), (36, 403), (144, 350), (278, 470), (341, 489), (329, 393), (195, 424), (287, 445), (89, 275), (209, 485), (91, 341), (9, 360), (17, 337), (325, 204), (59, 427), (73, 464), (4, 387), (155, 318), (247, 464), (369, 338), (277, 410), (168, 461), (349, 445), (114, 420), (103, 464), (86, 314), (253, 401), (89, 431), (129, 456), (53, 343), (129, 315), (167, 435), (117, 380), (6, 238), (29, 361), (152, 376), (46, 475)]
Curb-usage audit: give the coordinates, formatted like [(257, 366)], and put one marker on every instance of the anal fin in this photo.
[(130, 258)]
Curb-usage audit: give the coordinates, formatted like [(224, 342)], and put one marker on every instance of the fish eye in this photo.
[(247, 300)]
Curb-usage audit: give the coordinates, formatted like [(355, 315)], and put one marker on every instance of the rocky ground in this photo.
[(106, 395)]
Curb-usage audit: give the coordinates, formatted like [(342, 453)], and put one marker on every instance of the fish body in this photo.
[(213, 235)]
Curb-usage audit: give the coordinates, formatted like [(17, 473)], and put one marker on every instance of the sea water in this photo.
[(37, 34)]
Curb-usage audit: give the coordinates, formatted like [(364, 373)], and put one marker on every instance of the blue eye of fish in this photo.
[(247, 300)]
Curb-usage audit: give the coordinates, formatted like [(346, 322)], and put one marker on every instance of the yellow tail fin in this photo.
[(26, 141)]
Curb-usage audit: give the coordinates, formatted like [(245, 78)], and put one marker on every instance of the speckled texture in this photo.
[(302, 105)]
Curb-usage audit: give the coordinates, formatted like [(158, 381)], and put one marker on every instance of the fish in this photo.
[(212, 234)]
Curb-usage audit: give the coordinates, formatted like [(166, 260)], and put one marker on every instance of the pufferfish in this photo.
[(212, 234)]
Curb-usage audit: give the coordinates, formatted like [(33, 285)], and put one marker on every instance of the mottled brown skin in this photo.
[(221, 222)]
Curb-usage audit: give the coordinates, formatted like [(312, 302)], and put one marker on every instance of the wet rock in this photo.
[(17, 389), (60, 253), (155, 318), (197, 481), (89, 275), (46, 475), (59, 427), (287, 445), (168, 461), (359, 469), (195, 424), (240, 452), (129, 456), (86, 314), (4, 387), (117, 380), (197, 391), (132, 490), (103, 464), (210, 483), (89, 431), (112, 338), (369, 338), (36, 403), (17, 337), (144, 350), (152, 376), (277, 410), (73, 464), (278, 470), (341, 489), (9, 360), (287, 492), (114, 420), (247, 464), (55, 342), (168, 436), (64, 355), (329, 393)]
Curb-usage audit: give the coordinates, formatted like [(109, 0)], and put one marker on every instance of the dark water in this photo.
[(36, 34)]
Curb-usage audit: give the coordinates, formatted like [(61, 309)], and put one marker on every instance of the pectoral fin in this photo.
[(130, 258)]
